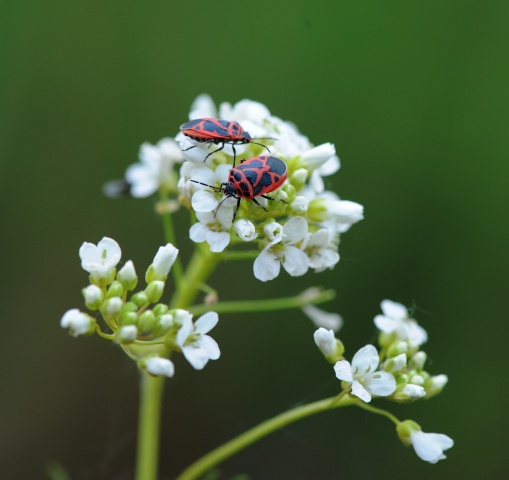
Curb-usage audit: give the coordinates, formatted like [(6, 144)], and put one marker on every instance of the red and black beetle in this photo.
[(253, 178), (220, 132)]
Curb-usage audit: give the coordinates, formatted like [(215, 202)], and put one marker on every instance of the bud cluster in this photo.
[(147, 329)]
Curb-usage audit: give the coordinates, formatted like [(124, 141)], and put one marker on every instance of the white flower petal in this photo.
[(295, 230), (198, 232), (321, 318), (343, 370), (325, 341), (206, 322), (204, 201), (196, 356), (366, 360), (210, 346), (359, 391), (266, 266), (185, 330), (380, 383), (386, 324), (203, 107), (218, 241), (394, 310), (430, 446), (160, 366), (295, 261)]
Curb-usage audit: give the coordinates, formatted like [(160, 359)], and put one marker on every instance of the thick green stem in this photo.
[(268, 305), (263, 429), (149, 422), (200, 267)]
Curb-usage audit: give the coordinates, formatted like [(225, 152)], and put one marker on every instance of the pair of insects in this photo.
[(252, 178)]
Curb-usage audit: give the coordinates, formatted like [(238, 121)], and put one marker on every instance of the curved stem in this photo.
[(272, 304), (263, 429), (378, 411), (149, 421)]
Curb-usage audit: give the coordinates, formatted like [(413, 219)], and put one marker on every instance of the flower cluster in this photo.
[(299, 232), (396, 372), (147, 330)]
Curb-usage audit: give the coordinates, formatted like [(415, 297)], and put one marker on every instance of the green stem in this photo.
[(271, 304), (263, 429), (151, 393), (200, 267), (378, 411), (242, 255), (170, 237)]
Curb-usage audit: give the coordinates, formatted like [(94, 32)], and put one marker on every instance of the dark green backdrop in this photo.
[(415, 97)]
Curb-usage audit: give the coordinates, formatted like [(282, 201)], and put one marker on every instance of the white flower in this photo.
[(321, 318), (162, 263), (362, 375), (323, 161), (77, 322), (100, 260), (430, 446), (245, 229), (155, 167), (281, 250), (205, 198), (197, 347), (325, 341), (213, 228), (159, 366), (342, 214), (395, 320), (321, 249)]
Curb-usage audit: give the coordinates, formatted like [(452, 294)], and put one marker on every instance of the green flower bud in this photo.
[(160, 309), (417, 361), (130, 307), (154, 291), (93, 297), (115, 290), (434, 385), (128, 318), (162, 325), (397, 348), (299, 177), (140, 299), (127, 276), (146, 321), (406, 393), (405, 429)]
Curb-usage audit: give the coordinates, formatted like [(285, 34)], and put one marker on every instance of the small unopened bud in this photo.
[(158, 366), (154, 291), (162, 324), (146, 321), (162, 263), (112, 307), (128, 318), (417, 361), (160, 309), (93, 297), (127, 334), (78, 323), (434, 385), (140, 299), (127, 276), (115, 290), (407, 393), (397, 348), (329, 345)]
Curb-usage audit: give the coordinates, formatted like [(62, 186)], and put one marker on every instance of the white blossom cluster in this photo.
[(140, 321), (300, 232), (396, 372)]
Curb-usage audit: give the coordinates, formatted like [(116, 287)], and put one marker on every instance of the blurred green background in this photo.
[(415, 97)]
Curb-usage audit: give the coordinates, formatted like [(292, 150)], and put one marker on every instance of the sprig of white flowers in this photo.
[(140, 321), (397, 374)]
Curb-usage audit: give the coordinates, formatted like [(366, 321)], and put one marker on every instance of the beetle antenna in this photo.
[(218, 189), (262, 145)]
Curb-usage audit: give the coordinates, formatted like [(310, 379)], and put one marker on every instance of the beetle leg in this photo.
[(259, 204), (215, 151), (277, 199)]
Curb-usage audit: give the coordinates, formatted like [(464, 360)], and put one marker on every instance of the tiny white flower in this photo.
[(77, 322), (213, 228), (162, 263), (300, 204), (205, 198), (365, 380), (395, 319), (329, 345), (159, 366), (321, 318), (197, 347), (281, 251), (430, 446), (435, 385), (245, 229), (100, 260), (408, 393), (321, 249)]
